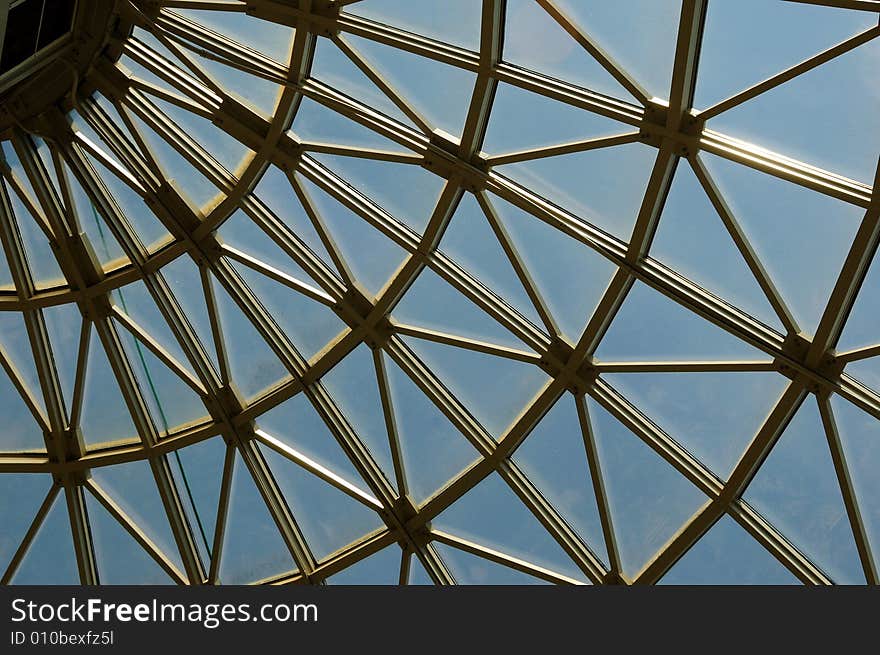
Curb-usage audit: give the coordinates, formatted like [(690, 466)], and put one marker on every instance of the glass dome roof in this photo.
[(499, 292)]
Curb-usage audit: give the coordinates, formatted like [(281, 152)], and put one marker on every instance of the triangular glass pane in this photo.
[(452, 21), (328, 518), (332, 67), (434, 304), (20, 429), (17, 348), (433, 450), (639, 34), (172, 404), (182, 276), (692, 239), (602, 187), (120, 559), (418, 576), (50, 560), (42, 264), (470, 241), (275, 191), (728, 555), (228, 151), (382, 568), (296, 423), (189, 181), (256, 93), (63, 325), (198, 471), (252, 546), (796, 488), (92, 222), (133, 487), (442, 93), (651, 327), (513, 125), (771, 211), (105, 416), (861, 329), (495, 389), (309, 324), (826, 117), (649, 500), (241, 233), (20, 496), (372, 257), (316, 123), (713, 415), (254, 366), (136, 302), (570, 276), (354, 387), (555, 460), (271, 39), (45, 156), (406, 191), (473, 570), (860, 438), (742, 44), (534, 40), (148, 228), (492, 515)]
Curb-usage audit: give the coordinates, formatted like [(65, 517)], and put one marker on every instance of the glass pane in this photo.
[(727, 555), (41, 261), (372, 257), (837, 129), (417, 573), (406, 191), (692, 239), (470, 241), (513, 125), (20, 496), (860, 438), (453, 21), (252, 546), (434, 304), (433, 450), (555, 460), (442, 93), (353, 385), (120, 559), (796, 489), (105, 415), (770, 211), (382, 568), (268, 38), (602, 187), (254, 366), (532, 39), (649, 500), (63, 325), (713, 415), (861, 327), (315, 123), (21, 430), (296, 423), (470, 569), (134, 489), (50, 560), (492, 515), (651, 327), (494, 389), (570, 276), (328, 518), (639, 34), (744, 41)]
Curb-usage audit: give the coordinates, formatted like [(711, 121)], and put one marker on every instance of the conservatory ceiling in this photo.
[(382, 291)]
